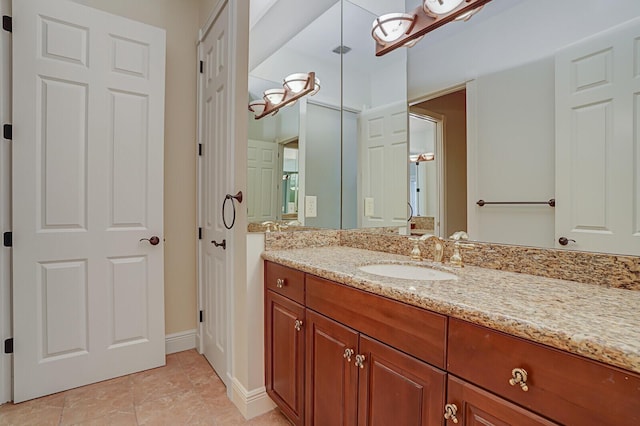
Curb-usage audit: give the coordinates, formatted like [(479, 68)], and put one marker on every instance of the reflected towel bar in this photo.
[(551, 202)]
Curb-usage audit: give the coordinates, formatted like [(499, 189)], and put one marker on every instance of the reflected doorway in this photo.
[(449, 113)]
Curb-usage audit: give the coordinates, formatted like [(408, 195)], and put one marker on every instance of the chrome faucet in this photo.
[(456, 258)]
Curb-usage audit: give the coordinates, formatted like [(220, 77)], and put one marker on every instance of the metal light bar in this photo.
[(425, 23), (289, 97)]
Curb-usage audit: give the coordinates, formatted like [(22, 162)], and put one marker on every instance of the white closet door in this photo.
[(597, 142), (88, 102), (216, 177), (384, 160)]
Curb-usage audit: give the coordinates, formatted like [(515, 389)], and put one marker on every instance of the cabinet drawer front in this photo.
[(412, 330), (564, 387), (285, 281)]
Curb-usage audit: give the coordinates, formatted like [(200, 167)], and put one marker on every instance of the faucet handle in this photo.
[(459, 235)]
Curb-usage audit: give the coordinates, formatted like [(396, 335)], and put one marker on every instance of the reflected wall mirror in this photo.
[(351, 136)]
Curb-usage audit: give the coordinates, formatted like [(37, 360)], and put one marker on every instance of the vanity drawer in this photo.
[(412, 330), (563, 387), (285, 281)]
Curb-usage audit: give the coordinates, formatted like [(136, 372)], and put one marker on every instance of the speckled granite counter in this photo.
[(589, 320)]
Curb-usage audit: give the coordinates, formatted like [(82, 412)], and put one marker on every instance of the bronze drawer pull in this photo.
[(519, 376), (450, 411), (280, 282), (348, 353)]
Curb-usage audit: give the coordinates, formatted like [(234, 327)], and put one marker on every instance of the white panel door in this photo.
[(597, 142), (262, 184), (88, 294), (384, 159), (215, 174)]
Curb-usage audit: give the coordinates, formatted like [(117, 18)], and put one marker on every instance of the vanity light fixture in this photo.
[(294, 87), (395, 30)]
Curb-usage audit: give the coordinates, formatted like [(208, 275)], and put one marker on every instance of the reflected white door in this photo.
[(88, 110), (262, 184), (383, 163), (598, 143), (215, 175)]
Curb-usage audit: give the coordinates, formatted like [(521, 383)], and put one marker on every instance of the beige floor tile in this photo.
[(185, 408), (86, 409), (22, 415), (160, 384), (184, 392), (117, 419), (189, 357), (272, 418)]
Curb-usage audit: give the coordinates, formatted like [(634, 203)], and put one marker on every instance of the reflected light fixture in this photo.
[(294, 87), (395, 30), (419, 158)]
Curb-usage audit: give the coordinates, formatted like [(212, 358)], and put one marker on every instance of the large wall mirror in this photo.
[(487, 110), (318, 162)]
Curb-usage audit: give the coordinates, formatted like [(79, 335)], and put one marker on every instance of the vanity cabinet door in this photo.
[(284, 355), (397, 389), (331, 373), (476, 407)]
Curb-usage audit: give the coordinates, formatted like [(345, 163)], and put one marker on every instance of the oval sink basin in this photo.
[(407, 272)]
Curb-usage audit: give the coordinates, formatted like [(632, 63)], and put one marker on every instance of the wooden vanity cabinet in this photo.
[(284, 340), (352, 378), (414, 363)]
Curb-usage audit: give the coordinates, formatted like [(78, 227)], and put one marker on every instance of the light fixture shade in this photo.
[(466, 16), (274, 96), (316, 87), (390, 27), (257, 107), (296, 82), (440, 7)]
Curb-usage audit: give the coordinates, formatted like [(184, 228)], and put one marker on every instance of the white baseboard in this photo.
[(250, 403), (178, 342)]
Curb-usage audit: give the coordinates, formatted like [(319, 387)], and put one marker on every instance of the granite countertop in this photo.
[(590, 320)]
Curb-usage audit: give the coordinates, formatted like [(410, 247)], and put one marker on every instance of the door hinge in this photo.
[(8, 239), (201, 67), (199, 233), (200, 149), (201, 316), (8, 346), (7, 23), (7, 131)]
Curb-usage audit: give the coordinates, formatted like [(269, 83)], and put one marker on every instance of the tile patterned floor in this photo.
[(184, 392)]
